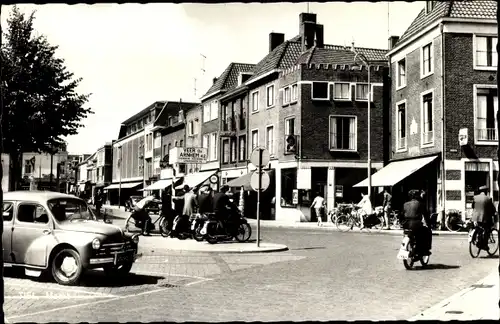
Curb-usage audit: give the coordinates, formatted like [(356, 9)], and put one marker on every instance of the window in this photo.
[(401, 138), (206, 112), (343, 133), (243, 148), (255, 101), (427, 63), (320, 90), (286, 95), (290, 126), (191, 127), (214, 110), (234, 150), (170, 121), (255, 138), (8, 211), (225, 152), (342, 91), (213, 146), (428, 122), (165, 150), (27, 167), (486, 112), (31, 213), (295, 94), (169, 147), (486, 51), (270, 139), (361, 91), (69, 209), (270, 96), (175, 144), (243, 115), (401, 74), (181, 143)]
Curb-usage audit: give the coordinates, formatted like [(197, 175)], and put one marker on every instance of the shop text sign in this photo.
[(194, 155)]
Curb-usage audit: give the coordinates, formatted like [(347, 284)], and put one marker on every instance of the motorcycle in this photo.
[(236, 227), (181, 227), (409, 252)]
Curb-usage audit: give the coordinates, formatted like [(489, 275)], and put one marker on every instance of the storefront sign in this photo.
[(339, 191), (463, 136), (304, 179), (295, 197), (193, 155)]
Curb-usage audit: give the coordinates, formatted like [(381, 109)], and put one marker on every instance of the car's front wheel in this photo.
[(118, 270), (67, 267)]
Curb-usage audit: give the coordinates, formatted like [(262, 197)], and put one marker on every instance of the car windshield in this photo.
[(67, 209)]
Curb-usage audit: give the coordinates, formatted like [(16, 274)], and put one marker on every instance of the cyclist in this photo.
[(483, 215), (141, 215), (414, 211)]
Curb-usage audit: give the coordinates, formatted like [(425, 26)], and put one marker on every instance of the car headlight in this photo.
[(135, 238), (96, 244)]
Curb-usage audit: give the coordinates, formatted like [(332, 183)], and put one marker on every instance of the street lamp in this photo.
[(120, 177), (365, 61)]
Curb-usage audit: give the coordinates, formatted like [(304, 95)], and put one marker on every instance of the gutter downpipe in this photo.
[(442, 214)]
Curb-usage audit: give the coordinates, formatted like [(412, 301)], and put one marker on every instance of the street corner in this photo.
[(158, 244), (478, 301)]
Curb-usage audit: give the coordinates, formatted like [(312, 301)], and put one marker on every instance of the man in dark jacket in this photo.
[(166, 206), (221, 204), (484, 213), (414, 211), (205, 203)]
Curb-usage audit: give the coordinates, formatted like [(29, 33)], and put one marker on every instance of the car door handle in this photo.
[(47, 232)]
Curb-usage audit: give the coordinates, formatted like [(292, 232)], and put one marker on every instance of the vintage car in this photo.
[(58, 234)]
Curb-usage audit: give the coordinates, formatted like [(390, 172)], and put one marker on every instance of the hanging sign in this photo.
[(463, 136)]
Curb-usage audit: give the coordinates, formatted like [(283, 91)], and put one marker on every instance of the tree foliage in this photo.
[(40, 101)]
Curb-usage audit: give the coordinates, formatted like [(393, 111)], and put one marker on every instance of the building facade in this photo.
[(445, 101), (193, 134)]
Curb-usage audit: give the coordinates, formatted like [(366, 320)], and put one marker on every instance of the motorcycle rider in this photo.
[(414, 210), (141, 215), (483, 214), (205, 204), (222, 206)]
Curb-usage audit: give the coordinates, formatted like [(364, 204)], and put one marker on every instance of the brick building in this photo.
[(193, 134), (443, 71)]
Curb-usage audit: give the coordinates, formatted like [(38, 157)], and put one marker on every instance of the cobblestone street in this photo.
[(324, 276)]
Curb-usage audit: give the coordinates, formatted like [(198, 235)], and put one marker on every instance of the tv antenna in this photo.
[(203, 63)]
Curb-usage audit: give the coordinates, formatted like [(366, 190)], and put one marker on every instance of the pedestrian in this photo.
[(414, 211), (483, 214), (98, 202), (318, 204), (166, 207), (387, 204), (190, 202)]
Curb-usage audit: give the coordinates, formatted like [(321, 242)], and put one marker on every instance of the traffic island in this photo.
[(151, 244)]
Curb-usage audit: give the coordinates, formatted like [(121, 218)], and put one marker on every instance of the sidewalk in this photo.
[(479, 301), (328, 226)]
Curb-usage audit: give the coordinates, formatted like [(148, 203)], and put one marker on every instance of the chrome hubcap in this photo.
[(68, 266)]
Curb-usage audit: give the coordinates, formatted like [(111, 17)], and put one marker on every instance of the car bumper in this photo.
[(117, 258)]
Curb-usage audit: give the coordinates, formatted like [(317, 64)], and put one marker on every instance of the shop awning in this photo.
[(395, 172), (123, 186), (194, 179), (244, 180), (160, 184)]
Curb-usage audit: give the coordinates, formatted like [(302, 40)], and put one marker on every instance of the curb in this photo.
[(145, 254), (441, 305)]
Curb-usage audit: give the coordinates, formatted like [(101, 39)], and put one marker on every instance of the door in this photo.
[(32, 225), (8, 215)]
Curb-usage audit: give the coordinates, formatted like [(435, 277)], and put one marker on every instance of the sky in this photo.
[(132, 55)]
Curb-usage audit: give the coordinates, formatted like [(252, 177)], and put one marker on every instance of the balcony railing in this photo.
[(401, 143), (487, 134), (428, 137)]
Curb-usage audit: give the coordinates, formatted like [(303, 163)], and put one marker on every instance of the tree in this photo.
[(40, 101)]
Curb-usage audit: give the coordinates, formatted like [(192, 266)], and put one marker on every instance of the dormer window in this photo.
[(243, 77)]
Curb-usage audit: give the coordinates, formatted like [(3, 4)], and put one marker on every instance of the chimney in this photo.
[(275, 40), (307, 27), (352, 47), (214, 80), (318, 39), (392, 41)]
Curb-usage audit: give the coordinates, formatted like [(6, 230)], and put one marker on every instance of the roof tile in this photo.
[(229, 78)]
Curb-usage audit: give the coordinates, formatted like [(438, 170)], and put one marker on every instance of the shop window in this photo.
[(288, 184), (477, 174)]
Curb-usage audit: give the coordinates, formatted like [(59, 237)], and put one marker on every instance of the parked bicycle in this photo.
[(349, 216), (454, 221), (476, 238)]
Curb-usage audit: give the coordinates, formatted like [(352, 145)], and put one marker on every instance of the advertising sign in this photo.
[(339, 191), (193, 155), (463, 136)]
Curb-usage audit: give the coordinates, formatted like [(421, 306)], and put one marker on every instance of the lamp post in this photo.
[(365, 61), (120, 177)]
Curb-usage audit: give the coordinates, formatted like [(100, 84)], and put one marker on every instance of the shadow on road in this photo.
[(98, 279), (489, 256), (438, 266), (310, 248)]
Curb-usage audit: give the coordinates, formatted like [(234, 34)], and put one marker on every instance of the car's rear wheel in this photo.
[(67, 267), (118, 270)]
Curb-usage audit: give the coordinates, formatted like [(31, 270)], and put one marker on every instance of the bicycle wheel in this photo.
[(333, 217), (341, 222), (453, 223), (474, 250), (163, 226), (493, 242), (352, 222)]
